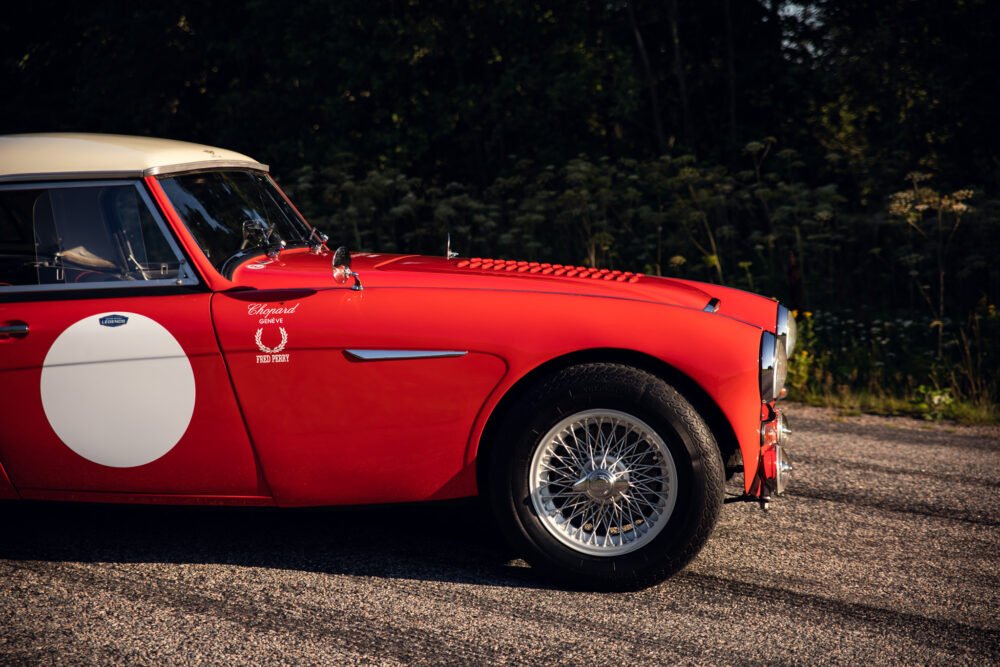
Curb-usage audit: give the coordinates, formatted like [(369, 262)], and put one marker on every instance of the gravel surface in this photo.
[(886, 549)]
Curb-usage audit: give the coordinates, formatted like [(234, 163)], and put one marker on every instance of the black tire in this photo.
[(696, 457)]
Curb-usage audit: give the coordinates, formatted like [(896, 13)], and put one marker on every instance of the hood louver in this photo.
[(547, 269)]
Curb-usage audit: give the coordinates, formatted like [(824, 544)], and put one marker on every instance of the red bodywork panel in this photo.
[(336, 435), (298, 268), (344, 431), (416, 302), (213, 457), (286, 414)]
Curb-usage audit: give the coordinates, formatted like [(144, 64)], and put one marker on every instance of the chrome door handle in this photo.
[(19, 330)]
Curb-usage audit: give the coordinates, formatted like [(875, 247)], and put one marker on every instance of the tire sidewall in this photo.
[(646, 401)]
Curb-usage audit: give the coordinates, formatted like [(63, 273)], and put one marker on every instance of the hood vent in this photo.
[(546, 269)]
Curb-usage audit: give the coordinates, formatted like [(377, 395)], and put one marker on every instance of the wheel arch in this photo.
[(709, 410)]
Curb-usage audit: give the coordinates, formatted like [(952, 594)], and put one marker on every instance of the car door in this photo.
[(112, 379), (349, 402)]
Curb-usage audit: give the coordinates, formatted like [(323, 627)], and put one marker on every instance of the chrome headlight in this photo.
[(787, 329), (773, 366)]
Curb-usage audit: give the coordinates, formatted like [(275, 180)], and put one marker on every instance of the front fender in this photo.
[(719, 354)]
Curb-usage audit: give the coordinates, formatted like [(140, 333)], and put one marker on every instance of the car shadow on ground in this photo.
[(453, 542)]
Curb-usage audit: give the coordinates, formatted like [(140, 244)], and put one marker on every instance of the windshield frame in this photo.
[(225, 268)]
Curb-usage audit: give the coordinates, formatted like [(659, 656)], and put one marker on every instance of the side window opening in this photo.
[(86, 251), (79, 234), (17, 242)]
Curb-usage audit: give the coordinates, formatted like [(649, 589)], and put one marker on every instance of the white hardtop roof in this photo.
[(70, 156)]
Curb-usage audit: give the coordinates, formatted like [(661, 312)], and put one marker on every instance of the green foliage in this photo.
[(933, 402), (892, 365), (667, 216)]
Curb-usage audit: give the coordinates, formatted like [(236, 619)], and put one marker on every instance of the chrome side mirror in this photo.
[(342, 268), (342, 257)]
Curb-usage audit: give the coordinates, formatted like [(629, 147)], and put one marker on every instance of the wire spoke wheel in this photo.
[(603, 482)]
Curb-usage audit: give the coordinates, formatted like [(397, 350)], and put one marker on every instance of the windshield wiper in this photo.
[(258, 237), (259, 234)]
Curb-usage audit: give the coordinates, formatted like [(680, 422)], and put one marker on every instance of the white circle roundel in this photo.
[(118, 389)]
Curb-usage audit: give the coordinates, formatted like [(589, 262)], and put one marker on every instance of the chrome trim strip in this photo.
[(14, 330), (712, 306), (781, 327), (209, 164), (61, 183), (786, 328), (768, 366), (70, 176), (386, 355), (123, 287), (135, 173)]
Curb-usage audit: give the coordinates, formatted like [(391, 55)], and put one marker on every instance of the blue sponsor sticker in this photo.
[(113, 320)]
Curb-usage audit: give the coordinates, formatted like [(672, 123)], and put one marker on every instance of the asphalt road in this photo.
[(886, 550)]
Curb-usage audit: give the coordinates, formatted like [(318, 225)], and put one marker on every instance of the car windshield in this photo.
[(234, 215)]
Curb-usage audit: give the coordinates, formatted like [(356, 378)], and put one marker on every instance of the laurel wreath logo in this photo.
[(275, 349)]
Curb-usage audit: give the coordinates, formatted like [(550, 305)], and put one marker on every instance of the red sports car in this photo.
[(172, 330)]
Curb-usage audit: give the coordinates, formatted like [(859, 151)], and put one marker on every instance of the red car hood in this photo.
[(297, 268)]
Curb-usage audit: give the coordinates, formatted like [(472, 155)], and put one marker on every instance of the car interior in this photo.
[(84, 234)]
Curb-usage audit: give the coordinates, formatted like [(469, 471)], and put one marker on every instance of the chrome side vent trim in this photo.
[(388, 355)]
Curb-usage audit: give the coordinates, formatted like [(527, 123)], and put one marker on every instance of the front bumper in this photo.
[(775, 465)]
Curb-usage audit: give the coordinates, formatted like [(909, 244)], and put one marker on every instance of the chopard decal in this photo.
[(269, 314), (272, 355), (113, 320), (265, 310)]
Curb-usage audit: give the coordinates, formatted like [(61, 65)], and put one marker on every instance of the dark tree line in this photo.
[(865, 90)]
